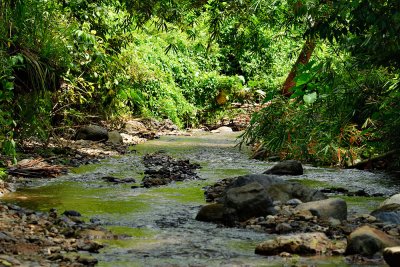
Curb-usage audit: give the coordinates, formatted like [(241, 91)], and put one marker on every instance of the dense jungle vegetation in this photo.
[(326, 71)]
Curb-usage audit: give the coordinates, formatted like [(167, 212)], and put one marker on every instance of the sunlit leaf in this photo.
[(310, 98)]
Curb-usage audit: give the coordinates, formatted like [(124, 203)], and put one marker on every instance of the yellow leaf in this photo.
[(222, 98)]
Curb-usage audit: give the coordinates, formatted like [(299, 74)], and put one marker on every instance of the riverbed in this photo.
[(157, 225)]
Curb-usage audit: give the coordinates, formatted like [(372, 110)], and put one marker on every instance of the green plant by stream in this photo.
[(72, 62)]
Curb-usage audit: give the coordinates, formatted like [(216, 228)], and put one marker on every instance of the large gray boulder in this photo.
[(92, 132), (240, 204), (324, 209), (248, 201), (288, 167), (279, 189), (367, 241), (211, 213), (253, 196)]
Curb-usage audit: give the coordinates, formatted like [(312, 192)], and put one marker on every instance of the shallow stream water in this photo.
[(160, 221)]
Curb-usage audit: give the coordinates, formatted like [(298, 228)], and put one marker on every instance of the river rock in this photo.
[(392, 256), (92, 132), (223, 129), (133, 127), (168, 125), (389, 210), (211, 213), (248, 201), (162, 169), (5, 188), (302, 244), (289, 190), (279, 189), (389, 213), (73, 213), (254, 195), (395, 199), (115, 138), (324, 209), (115, 180), (367, 241), (288, 167)]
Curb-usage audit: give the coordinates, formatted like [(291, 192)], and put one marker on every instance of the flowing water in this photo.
[(159, 222)]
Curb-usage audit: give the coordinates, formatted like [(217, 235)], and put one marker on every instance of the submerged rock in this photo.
[(303, 244), (367, 241), (92, 132), (324, 209), (288, 167)]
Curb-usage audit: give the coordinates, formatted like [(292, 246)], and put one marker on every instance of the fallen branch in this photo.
[(36, 168), (368, 162)]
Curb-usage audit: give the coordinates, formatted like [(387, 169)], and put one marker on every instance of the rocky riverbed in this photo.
[(35, 238), (306, 221), (30, 238)]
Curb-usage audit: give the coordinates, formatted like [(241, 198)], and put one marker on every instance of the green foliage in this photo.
[(3, 173), (67, 61), (336, 115)]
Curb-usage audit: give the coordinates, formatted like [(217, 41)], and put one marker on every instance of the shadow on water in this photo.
[(160, 221)]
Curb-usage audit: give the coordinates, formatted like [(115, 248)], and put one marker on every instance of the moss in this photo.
[(89, 202), (363, 204), (182, 192), (132, 232), (86, 168), (312, 183)]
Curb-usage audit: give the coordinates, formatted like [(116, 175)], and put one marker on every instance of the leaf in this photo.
[(302, 79), (310, 98), (242, 79), (297, 91)]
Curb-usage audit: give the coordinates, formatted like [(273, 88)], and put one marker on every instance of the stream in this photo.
[(159, 223)]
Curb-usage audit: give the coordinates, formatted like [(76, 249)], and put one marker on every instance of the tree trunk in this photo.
[(304, 58)]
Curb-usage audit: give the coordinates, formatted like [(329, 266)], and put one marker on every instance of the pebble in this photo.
[(294, 202)]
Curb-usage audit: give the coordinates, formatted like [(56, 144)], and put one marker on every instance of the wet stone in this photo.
[(72, 213), (392, 256), (162, 169), (115, 180)]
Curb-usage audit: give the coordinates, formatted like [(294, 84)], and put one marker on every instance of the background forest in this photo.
[(327, 72)]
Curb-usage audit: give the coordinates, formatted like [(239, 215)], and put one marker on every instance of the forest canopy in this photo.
[(326, 72)]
